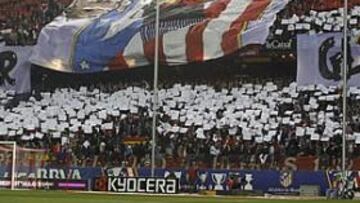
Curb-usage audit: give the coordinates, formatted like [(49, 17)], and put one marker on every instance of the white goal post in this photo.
[(11, 144)]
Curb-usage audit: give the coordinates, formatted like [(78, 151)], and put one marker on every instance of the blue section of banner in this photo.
[(93, 52)]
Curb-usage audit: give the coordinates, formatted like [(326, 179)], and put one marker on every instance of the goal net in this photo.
[(21, 167)]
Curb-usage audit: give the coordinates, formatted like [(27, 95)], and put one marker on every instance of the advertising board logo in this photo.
[(39, 184), (47, 173), (143, 185), (248, 179), (218, 179), (286, 179), (202, 178), (116, 172), (279, 45), (177, 174)]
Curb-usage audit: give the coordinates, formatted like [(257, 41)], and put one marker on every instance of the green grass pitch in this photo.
[(36, 196)]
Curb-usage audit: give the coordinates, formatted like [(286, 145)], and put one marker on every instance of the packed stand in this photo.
[(239, 122), (314, 17), (22, 20)]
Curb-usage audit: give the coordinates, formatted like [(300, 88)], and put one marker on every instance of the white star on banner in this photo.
[(84, 65)]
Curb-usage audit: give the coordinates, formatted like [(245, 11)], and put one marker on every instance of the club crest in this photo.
[(286, 179)]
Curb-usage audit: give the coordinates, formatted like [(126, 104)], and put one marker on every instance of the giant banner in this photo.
[(319, 60), (124, 37), (15, 69)]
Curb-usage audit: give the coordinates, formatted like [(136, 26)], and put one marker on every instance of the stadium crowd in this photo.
[(313, 17), (22, 20), (225, 121)]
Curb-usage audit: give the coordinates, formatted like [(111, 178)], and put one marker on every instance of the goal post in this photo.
[(24, 168), (10, 147)]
